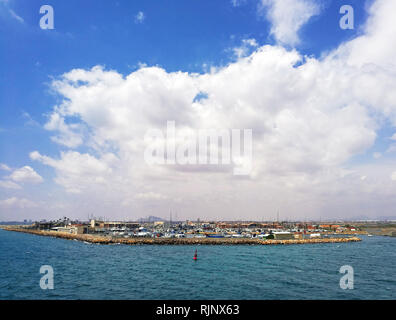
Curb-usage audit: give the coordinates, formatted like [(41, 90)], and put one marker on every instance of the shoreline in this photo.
[(175, 241)]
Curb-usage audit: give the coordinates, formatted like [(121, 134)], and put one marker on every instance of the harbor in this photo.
[(98, 239)]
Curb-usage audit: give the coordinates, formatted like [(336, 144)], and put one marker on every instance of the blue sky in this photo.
[(177, 35), (189, 36)]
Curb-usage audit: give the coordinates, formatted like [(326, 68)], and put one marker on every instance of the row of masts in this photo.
[(91, 217)]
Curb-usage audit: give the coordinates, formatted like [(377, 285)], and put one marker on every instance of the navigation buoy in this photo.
[(195, 255)]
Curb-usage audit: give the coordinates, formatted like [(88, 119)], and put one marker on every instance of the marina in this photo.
[(179, 241)]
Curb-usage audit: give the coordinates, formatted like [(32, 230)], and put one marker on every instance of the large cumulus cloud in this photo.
[(309, 117)]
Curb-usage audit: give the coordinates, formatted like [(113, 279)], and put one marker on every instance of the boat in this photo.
[(237, 235), (214, 235)]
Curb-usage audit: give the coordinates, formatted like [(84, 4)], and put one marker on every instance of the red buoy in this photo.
[(195, 255)]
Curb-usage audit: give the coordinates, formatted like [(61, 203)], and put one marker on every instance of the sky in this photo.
[(77, 102)]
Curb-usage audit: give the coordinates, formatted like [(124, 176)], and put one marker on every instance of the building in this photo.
[(96, 224), (43, 225), (283, 235), (73, 229)]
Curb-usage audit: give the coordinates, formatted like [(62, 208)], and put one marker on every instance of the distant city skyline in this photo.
[(163, 219), (77, 102)]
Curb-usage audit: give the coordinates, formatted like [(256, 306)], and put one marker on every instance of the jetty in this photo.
[(175, 241)]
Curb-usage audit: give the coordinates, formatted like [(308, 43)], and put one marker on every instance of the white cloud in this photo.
[(245, 48), (308, 122), (77, 172), (12, 13), (9, 184), (150, 196), (67, 134), (16, 17), (17, 203), (377, 155), (376, 45), (26, 174), (140, 17), (29, 120), (4, 167), (237, 3), (287, 17)]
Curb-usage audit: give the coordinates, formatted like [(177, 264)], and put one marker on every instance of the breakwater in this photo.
[(175, 241)]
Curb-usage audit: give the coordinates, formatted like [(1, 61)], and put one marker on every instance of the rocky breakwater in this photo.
[(175, 241)]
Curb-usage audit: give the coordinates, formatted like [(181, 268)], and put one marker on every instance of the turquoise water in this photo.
[(89, 271)]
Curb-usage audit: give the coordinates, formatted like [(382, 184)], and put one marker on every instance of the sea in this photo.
[(93, 271)]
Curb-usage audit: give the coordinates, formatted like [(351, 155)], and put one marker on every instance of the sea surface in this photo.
[(91, 271)]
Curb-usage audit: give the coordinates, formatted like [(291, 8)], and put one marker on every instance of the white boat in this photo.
[(263, 235), (237, 235), (144, 234), (180, 235)]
